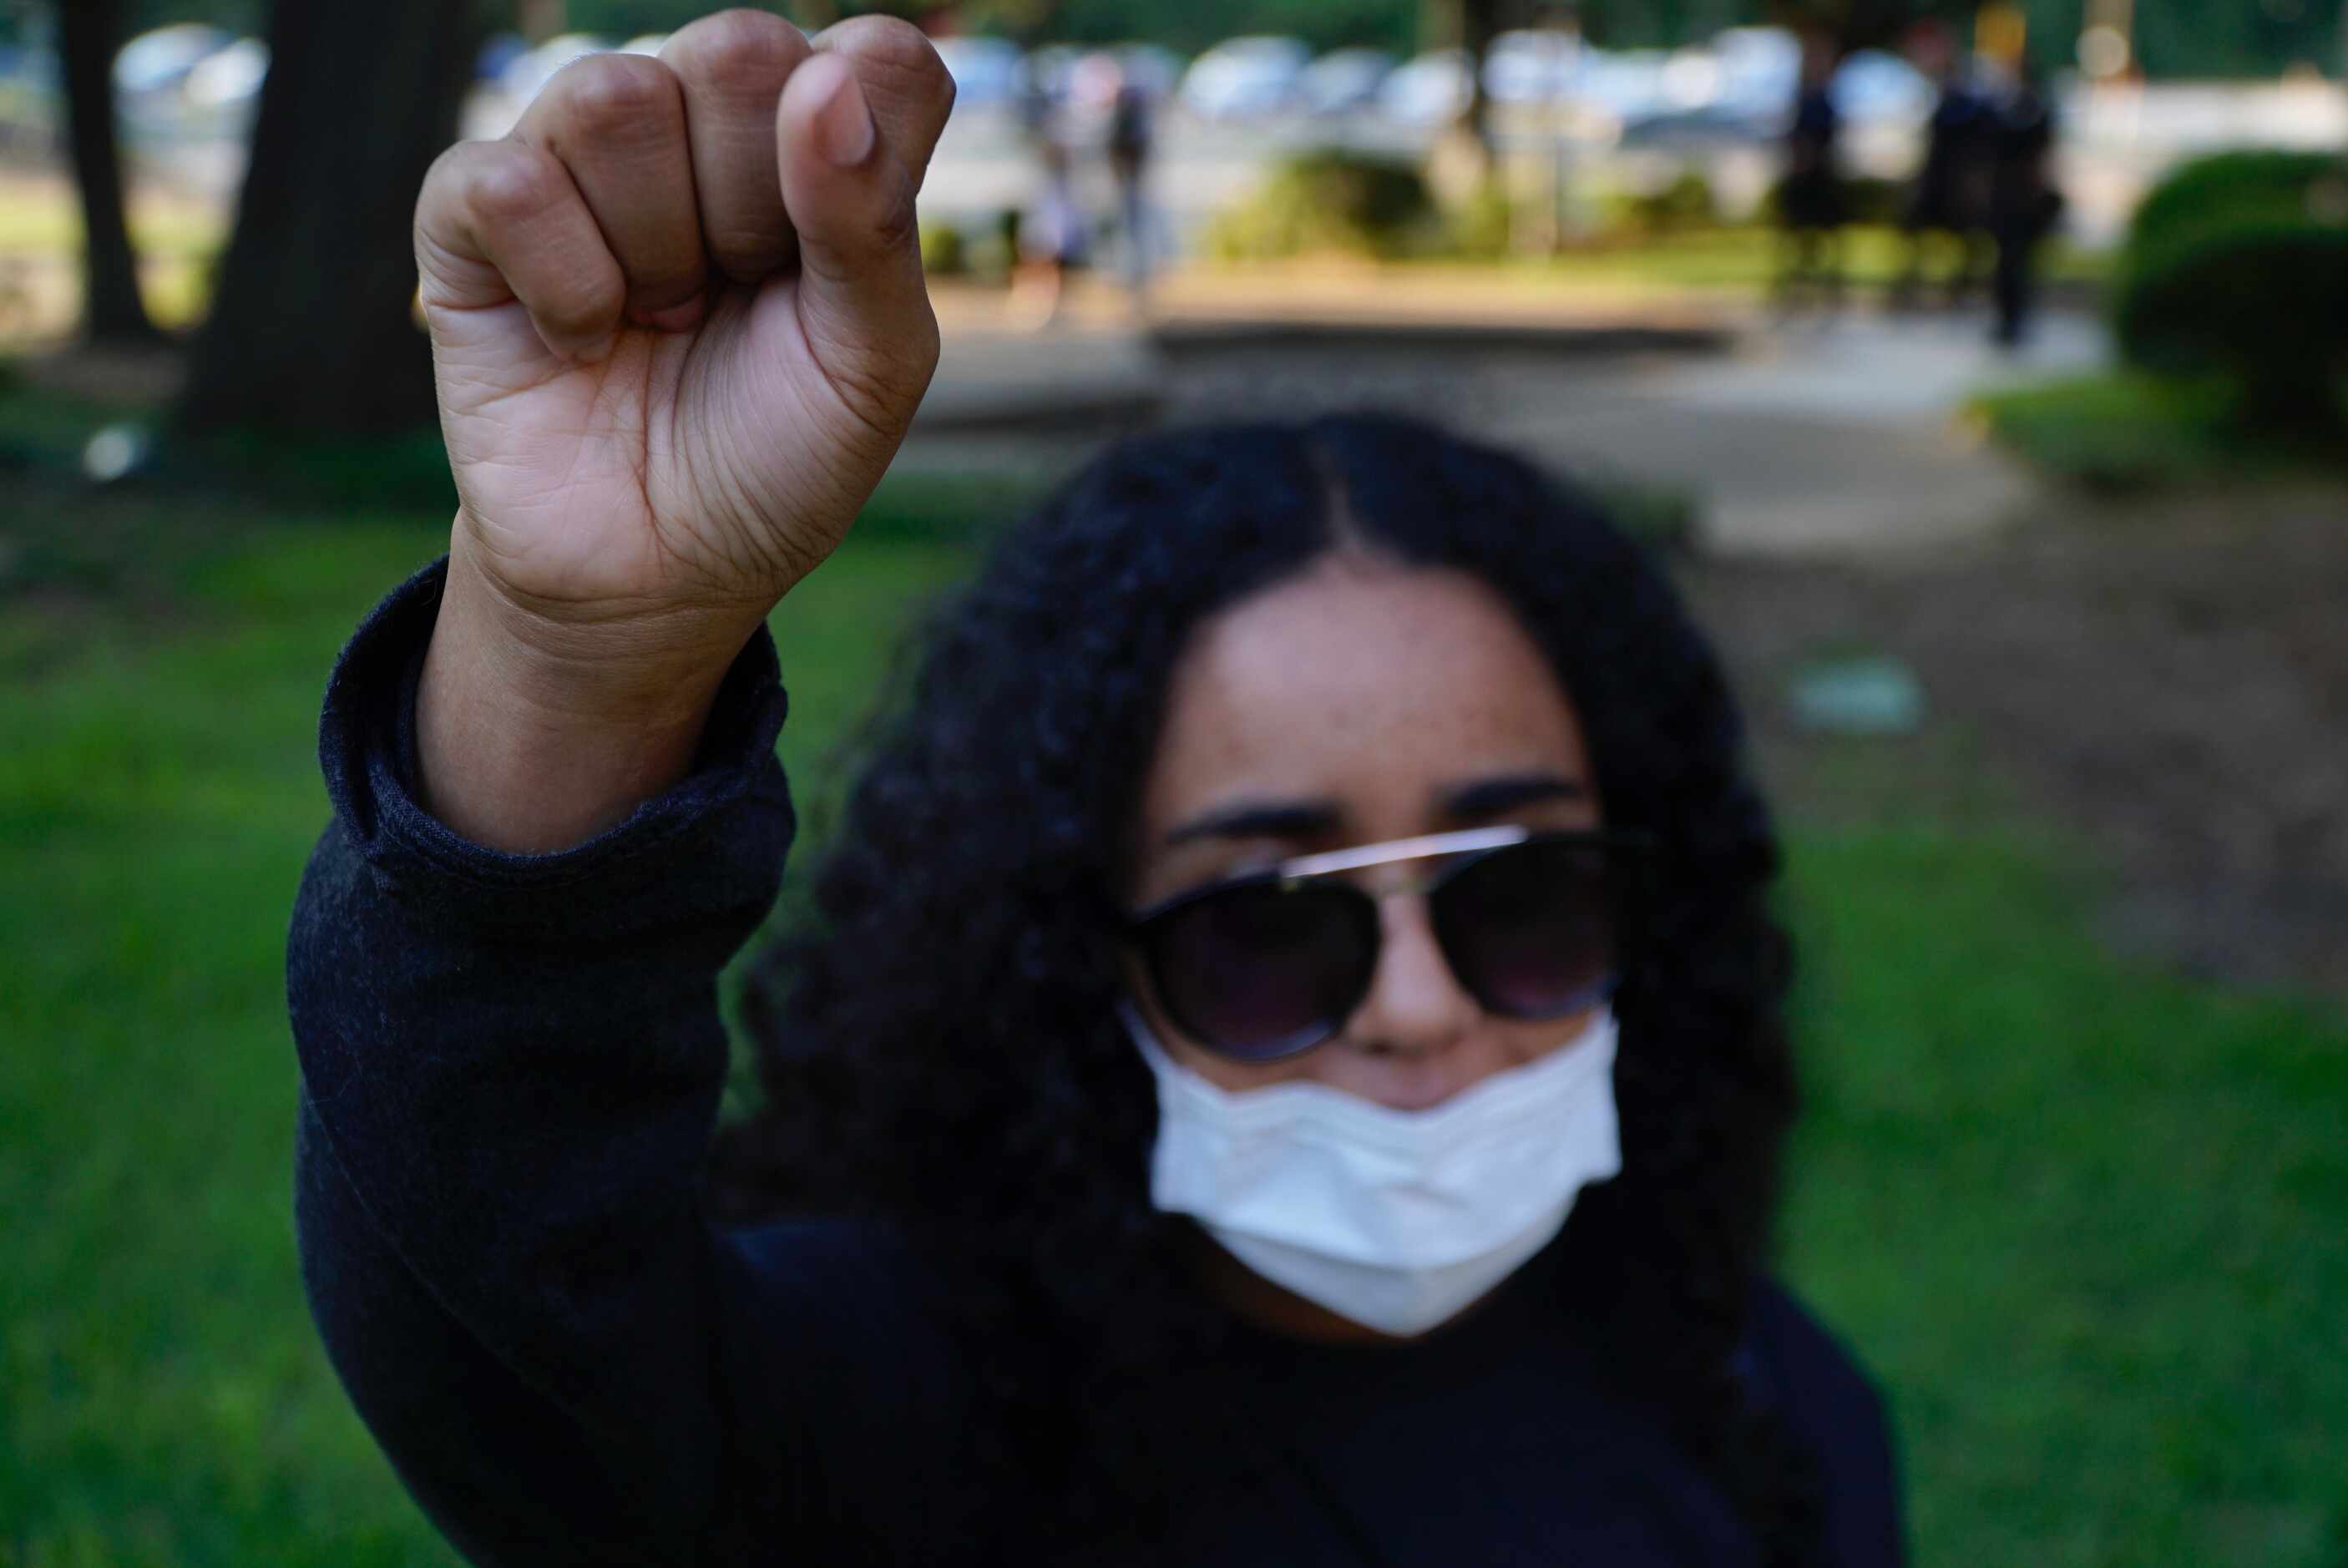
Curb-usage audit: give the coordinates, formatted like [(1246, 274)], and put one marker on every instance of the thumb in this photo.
[(849, 178)]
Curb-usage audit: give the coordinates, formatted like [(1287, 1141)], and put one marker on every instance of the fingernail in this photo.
[(843, 126)]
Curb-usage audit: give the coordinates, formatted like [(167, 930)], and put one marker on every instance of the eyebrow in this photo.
[(1260, 819), (1318, 819), (1506, 793)]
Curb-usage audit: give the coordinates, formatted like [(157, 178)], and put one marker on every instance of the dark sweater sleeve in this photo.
[(1830, 1405), (510, 1072)]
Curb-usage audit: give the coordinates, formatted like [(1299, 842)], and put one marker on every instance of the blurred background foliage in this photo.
[(2248, 37), (2236, 267)]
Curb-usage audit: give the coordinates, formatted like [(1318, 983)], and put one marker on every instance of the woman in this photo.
[(1285, 1065)]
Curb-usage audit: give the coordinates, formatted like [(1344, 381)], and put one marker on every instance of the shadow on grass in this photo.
[(104, 503)]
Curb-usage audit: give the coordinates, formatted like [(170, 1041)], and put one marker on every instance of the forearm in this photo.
[(524, 748), (496, 1026), (510, 1072)]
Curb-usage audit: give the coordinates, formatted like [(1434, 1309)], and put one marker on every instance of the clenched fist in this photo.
[(680, 326)]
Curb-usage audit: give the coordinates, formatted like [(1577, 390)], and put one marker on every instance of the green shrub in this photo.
[(1329, 200), (1865, 199), (1482, 227), (2210, 188), (944, 254), (1685, 201), (2238, 266)]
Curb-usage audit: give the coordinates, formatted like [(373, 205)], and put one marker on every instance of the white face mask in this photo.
[(1397, 1219)]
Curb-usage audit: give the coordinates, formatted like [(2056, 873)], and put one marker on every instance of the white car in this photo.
[(1428, 90), (1625, 86), (230, 79), (1760, 67), (1344, 80), (1243, 78), (159, 61), (1872, 88), (1532, 65), (986, 71)]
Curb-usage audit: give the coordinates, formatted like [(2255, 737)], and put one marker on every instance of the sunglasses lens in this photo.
[(1257, 971), (1529, 930)]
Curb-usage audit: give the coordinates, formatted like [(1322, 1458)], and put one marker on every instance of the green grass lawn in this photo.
[(1735, 262), (2123, 431), (2090, 1224), (1747, 258)]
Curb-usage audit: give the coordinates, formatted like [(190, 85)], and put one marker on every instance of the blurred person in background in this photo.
[(1050, 235), (1132, 138), (1950, 196), (1286, 1060), (1054, 238), (1811, 198), (2025, 204)]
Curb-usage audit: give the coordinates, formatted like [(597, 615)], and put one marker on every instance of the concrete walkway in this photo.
[(1836, 439), (1810, 437)]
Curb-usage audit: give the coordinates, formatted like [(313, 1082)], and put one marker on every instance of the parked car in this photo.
[(228, 81), (1532, 65), (158, 62), (1344, 80), (1759, 69), (1244, 78), (1872, 87), (1625, 87), (986, 71), (1428, 90)]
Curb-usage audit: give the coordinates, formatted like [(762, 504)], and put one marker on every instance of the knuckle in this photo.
[(898, 52), (882, 38), (897, 225), (606, 93), (738, 52), (505, 182), (448, 168)]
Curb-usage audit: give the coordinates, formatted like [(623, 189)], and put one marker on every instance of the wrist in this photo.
[(527, 743), (648, 663)]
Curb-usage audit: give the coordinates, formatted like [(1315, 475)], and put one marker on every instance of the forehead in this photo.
[(1362, 682)]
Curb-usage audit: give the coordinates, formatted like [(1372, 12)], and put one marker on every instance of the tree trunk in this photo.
[(1479, 24), (88, 32), (312, 329)]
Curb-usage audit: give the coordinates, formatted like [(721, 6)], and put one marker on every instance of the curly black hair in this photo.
[(938, 1037)]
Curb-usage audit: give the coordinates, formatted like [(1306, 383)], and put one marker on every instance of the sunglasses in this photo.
[(1272, 964)]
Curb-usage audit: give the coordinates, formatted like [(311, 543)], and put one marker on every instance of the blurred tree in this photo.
[(1479, 22), (312, 326), (89, 33)]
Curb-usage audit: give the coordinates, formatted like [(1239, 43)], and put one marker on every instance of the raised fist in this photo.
[(680, 328)]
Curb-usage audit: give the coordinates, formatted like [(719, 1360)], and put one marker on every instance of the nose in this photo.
[(1416, 1005)]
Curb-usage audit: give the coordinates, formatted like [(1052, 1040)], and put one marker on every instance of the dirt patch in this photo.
[(2167, 679)]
